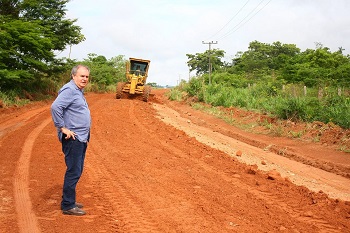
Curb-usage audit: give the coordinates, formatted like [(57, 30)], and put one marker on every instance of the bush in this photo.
[(292, 108), (175, 94), (194, 87), (10, 98)]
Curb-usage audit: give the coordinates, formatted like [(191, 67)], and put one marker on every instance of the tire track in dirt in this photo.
[(163, 211), (126, 213), (11, 124), (123, 211), (151, 215), (147, 133), (27, 220)]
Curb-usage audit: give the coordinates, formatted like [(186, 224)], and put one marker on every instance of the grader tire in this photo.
[(146, 92), (120, 87)]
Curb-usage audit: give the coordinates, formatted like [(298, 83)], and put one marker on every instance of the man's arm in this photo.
[(63, 100)]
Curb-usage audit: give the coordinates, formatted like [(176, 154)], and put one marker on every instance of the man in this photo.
[(71, 116)]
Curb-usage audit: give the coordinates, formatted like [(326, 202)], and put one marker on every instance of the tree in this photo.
[(315, 67), (264, 57), (50, 14), (105, 72), (30, 32), (200, 61)]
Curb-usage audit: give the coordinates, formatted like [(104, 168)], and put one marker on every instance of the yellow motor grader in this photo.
[(136, 76)]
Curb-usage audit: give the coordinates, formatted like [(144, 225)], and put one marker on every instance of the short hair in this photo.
[(76, 68)]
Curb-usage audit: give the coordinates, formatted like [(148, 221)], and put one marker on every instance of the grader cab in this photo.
[(136, 76)]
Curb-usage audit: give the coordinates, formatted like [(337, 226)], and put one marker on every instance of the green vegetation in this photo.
[(105, 73), (269, 99), (276, 79), (30, 33)]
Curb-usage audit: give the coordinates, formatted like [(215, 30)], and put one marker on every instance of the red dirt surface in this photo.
[(162, 166)]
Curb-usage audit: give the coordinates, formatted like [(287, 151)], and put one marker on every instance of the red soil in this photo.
[(162, 166)]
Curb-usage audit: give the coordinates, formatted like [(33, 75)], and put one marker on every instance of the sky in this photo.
[(164, 31)]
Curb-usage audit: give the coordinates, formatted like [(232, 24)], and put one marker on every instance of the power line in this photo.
[(230, 19), (239, 25)]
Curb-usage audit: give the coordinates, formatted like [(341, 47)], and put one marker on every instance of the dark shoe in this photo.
[(79, 205), (74, 211)]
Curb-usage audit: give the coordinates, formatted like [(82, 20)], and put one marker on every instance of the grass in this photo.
[(279, 103), (12, 99), (297, 134)]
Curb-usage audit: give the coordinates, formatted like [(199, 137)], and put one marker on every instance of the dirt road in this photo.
[(164, 167)]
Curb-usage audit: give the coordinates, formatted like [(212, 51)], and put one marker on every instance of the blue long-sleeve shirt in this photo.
[(70, 110)]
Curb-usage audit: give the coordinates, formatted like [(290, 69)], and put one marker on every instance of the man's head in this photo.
[(80, 75)]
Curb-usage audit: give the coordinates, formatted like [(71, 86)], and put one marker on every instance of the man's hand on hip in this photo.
[(69, 133)]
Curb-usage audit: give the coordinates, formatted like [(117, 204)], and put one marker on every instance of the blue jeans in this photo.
[(74, 155)]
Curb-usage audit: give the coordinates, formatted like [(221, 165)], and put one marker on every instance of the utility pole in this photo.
[(70, 50), (210, 43)]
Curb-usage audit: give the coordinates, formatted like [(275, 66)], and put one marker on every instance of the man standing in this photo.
[(71, 116)]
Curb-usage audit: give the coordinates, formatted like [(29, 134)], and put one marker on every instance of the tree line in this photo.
[(283, 62), (267, 77)]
